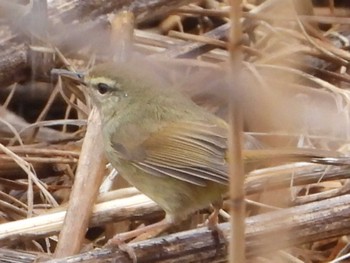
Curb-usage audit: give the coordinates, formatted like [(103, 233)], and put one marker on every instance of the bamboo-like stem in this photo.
[(122, 205), (263, 235), (236, 173), (88, 178)]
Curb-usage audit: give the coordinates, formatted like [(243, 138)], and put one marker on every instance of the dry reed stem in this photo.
[(121, 205), (263, 235), (235, 156), (90, 171), (115, 210), (309, 43), (198, 38)]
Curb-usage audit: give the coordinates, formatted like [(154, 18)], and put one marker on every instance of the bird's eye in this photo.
[(103, 88)]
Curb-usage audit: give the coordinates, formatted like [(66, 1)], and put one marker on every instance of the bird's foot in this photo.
[(213, 221), (137, 234), (142, 233)]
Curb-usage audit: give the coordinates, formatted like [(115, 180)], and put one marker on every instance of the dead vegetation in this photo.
[(293, 92)]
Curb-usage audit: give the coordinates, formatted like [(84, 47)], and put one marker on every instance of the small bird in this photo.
[(161, 142), (164, 144)]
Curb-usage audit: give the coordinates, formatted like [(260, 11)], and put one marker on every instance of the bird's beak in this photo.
[(75, 76)]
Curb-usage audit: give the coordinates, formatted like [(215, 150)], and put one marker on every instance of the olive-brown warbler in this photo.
[(161, 142)]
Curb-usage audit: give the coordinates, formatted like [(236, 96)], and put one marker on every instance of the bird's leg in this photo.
[(151, 231), (154, 231), (213, 220), (138, 234)]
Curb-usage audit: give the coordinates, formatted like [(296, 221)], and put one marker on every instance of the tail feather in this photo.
[(257, 159)]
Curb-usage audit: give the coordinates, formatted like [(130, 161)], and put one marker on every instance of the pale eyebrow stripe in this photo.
[(95, 81)]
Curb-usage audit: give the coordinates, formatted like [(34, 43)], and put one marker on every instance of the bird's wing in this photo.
[(196, 152), (187, 151)]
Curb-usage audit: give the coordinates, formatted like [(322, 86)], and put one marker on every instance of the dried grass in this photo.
[(297, 96)]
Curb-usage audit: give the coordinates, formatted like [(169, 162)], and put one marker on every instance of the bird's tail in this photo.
[(262, 158)]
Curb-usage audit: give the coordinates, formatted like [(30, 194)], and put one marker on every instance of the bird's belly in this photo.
[(178, 198)]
